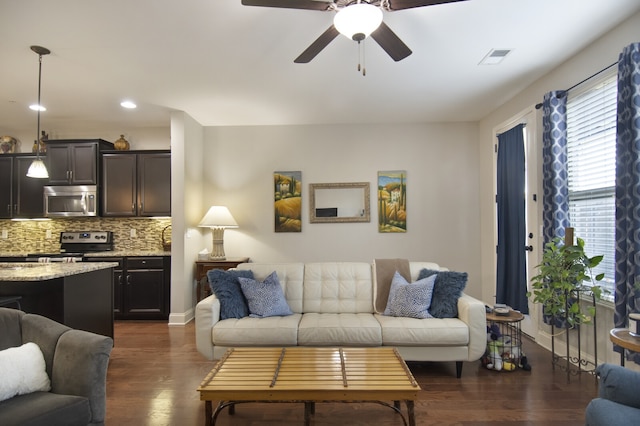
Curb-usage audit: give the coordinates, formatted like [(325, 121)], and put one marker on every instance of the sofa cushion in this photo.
[(338, 287), (22, 371), (226, 287), (290, 276), (317, 329), (402, 331), (446, 292), (45, 408), (266, 298), (410, 299), (248, 331)]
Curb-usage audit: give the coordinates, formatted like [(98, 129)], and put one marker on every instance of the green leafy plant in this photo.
[(564, 272)]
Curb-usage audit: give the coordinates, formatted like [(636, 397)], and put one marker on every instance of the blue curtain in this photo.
[(555, 178), (628, 188), (511, 287)]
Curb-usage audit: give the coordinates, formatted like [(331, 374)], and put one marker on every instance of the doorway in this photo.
[(533, 204)]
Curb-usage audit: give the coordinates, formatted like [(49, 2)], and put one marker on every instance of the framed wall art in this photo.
[(287, 201), (392, 201)]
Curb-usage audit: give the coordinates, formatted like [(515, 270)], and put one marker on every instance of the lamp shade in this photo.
[(218, 217), (38, 170), (358, 21)]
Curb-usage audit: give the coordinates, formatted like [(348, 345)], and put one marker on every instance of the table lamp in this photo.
[(218, 218)]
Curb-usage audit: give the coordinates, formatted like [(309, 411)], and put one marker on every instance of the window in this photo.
[(591, 138)]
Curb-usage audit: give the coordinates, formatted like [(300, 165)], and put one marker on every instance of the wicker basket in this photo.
[(166, 241)]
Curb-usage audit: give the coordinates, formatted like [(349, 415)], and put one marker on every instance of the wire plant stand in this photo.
[(572, 362)]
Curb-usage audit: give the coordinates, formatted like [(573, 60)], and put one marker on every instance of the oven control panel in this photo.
[(86, 237)]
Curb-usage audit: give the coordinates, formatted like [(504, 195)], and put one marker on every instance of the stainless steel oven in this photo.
[(68, 201)]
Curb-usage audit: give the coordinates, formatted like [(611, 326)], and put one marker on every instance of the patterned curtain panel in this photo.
[(555, 177), (628, 188)]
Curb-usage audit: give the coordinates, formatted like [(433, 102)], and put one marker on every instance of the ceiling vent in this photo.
[(495, 56)]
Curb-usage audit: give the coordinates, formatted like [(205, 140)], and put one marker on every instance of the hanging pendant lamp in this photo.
[(37, 169)]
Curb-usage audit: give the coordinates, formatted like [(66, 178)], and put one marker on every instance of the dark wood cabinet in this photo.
[(74, 161), (141, 287), (136, 184), (20, 196)]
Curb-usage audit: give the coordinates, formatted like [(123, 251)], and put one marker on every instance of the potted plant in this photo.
[(565, 272)]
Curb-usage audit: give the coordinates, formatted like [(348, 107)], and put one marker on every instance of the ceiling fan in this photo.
[(348, 12)]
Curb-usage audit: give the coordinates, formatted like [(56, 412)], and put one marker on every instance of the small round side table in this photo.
[(623, 338)]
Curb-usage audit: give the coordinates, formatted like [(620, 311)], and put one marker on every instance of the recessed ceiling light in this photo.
[(495, 56), (36, 107), (128, 104)]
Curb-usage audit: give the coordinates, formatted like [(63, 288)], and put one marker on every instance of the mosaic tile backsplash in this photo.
[(31, 236)]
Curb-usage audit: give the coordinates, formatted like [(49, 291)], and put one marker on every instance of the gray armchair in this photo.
[(618, 401), (76, 362)]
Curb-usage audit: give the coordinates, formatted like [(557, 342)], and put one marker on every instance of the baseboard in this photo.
[(181, 319)]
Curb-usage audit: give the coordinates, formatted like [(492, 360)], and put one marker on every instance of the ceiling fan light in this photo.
[(358, 21)]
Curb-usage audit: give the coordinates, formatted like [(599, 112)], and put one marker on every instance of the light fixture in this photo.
[(128, 104), (218, 218), (37, 169), (358, 21)]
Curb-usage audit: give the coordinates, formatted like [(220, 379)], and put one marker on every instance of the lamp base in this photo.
[(217, 252)]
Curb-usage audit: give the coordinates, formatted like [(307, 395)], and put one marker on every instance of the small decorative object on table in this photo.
[(43, 145)]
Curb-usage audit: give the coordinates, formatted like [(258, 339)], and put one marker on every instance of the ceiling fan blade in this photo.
[(408, 4), (390, 42), (290, 4), (317, 46)]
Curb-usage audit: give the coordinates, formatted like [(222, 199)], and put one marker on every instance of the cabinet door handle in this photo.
[(120, 279), (9, 208), (133, 207), (128, 279), (70, 175)]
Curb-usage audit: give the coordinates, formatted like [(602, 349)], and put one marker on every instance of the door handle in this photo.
[(528, 248)]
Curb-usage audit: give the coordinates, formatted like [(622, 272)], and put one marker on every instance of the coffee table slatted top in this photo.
[(313, 374)]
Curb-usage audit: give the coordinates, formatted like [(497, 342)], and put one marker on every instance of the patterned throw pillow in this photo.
[(265, 299), (410, 299), (225, 285), (446, 292)]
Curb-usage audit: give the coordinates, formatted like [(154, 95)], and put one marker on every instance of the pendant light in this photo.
[(37, 169)]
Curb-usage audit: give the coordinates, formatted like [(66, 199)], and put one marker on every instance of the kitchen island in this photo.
[(79, 295)]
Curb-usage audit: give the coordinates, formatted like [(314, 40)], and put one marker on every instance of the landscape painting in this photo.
[(288, 201), (392, 201)]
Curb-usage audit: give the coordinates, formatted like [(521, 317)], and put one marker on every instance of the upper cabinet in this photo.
[(136, 183), (74, 161), (20, 196)]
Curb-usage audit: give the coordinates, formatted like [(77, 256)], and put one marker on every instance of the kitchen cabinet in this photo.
[(141, 286), (136, 183), (20, 196), (74, 161)]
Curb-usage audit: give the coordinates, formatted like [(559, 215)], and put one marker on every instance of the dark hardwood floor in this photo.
[(155, 370)]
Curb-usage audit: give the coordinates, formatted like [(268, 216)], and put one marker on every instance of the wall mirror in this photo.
[(339, 202)]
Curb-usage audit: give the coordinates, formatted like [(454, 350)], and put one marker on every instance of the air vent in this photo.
[(495, 56)]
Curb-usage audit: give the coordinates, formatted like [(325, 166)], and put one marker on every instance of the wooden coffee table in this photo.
[(309, 375)]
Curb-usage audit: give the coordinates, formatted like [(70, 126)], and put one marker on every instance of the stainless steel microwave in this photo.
[(69, 201)]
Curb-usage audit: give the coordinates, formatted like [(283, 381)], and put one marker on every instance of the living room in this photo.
[(450, 180)]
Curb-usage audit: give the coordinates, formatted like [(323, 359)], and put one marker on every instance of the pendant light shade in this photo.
[(358, 21), (37, 169)]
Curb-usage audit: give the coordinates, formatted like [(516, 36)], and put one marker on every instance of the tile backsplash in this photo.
[(31, 235)]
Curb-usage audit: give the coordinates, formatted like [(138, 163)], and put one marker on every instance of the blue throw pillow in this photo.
[(225, 285), (446, 292), (265, 299), (410, 299)]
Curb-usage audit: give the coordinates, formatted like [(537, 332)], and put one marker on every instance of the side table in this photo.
[(202, 266), (623, 338), (509, 327)]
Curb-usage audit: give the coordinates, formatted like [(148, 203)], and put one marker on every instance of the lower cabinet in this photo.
[(141, 287)]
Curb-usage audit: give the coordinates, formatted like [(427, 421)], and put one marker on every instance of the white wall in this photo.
[(597, 56), (442, 190)]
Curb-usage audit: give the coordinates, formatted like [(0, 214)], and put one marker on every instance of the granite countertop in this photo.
[(30, 271), (118, 253)]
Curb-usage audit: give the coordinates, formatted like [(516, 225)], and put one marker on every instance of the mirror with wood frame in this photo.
[(339, 202)]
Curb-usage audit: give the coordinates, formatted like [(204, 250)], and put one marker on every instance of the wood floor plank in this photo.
[(155, 370)]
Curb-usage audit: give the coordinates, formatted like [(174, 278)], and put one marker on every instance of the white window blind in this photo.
[(591, 138)]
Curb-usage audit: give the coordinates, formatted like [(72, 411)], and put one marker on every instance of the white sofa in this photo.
[(333, 305)]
